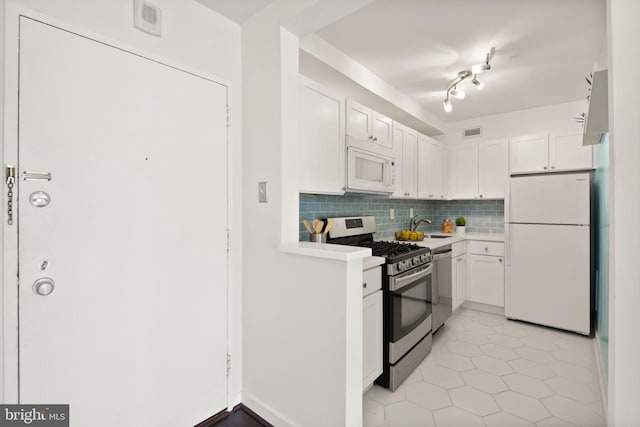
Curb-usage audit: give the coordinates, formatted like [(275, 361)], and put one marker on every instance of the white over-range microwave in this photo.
[(369, 172)]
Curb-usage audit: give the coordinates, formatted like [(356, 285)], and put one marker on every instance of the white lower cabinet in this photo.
[(371, 326), (486, 273), (459, 274)]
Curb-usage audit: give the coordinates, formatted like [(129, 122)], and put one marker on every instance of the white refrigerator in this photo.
[(548, 250)]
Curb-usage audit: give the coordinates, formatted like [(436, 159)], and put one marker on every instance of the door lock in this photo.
[(44, 286)]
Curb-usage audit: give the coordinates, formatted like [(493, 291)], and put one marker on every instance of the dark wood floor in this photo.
[(240, 416)]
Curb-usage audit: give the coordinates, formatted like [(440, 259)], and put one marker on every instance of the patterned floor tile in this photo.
[(526, 385), (502, 419), (485, 370), (407, 414), (473, 401), (484, 381), (522, 406), (499, 352), (428, 396), (572, 411), (456, 417), (441, 376), (492, 365), (532, 369)]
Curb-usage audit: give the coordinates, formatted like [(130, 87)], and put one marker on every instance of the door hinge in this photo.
[(228, 363), (228, 240), (228, 116)]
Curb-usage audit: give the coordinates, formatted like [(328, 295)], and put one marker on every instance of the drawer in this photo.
[(486, 248), (459, 248), (371, 281)]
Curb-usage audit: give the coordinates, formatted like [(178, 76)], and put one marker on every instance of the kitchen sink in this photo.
[(437, 236)]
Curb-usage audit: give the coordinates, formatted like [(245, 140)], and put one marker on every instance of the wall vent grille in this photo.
[(147, 17), (472, 132)]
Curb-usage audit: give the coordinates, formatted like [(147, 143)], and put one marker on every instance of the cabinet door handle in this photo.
[(545, 168), (375, 138), (553, 167), (481, 196), (364, 285), (486, 249), (500, 260)]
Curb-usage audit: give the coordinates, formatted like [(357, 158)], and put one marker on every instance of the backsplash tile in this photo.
[(485, 216)]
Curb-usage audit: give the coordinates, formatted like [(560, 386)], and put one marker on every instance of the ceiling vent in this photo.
[(147, 17), (472, 132)]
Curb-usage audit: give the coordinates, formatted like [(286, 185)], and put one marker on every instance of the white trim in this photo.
[(266, 412), (486, 308), (602, 378)]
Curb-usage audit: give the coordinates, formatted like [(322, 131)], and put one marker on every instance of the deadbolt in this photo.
[(44, 286)]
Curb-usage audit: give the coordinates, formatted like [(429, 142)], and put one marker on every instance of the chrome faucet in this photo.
[(414, 224)]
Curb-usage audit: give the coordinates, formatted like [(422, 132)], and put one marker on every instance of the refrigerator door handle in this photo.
[(507, 224), (507, 245)]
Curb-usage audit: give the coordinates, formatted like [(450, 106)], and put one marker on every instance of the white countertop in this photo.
[(326, 250), (438, 242), (372, 261)]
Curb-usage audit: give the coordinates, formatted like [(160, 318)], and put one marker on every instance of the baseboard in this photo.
[(213, 420), (270, 415), (483, 307), (601, 377)]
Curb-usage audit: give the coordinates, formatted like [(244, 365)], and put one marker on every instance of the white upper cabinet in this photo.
[(432, 169), (321, 144), (493, 168), (368, 129), (479, 170), (554, 152), (464, 171), (566, 152), (405, 142)]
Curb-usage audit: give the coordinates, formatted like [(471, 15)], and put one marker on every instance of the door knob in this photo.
[(44, 286)]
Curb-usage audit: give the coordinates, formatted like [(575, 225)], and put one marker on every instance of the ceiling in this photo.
[(543, 49)]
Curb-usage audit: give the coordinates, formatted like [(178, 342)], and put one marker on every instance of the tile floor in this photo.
[(487, 371)]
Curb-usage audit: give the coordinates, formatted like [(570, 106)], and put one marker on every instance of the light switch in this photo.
[(392, 213), (262, 192), (410, 212)]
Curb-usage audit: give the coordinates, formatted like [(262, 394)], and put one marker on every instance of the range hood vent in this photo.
[(472, 132)]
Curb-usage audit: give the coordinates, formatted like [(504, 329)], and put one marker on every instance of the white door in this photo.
[(529, 153), (134, 332), (566, 152), (464, 176), (493, 168), (550, 199), (548, 276)]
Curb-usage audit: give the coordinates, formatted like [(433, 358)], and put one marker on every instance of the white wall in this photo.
[(624, 280), (193, 37), (522, 122), (302, 329)]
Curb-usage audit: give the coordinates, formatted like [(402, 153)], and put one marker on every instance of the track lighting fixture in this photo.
[(452, 89)]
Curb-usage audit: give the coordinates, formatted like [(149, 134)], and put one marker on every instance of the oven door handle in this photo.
[(397, 284)]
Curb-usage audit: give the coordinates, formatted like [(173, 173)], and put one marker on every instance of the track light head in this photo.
[(459, 94), (447, 105), (477, 83)]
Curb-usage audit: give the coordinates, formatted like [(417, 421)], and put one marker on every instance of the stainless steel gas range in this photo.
[(407, 296)]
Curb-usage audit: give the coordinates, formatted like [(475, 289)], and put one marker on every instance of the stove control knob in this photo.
[(423, 258), (402, 265)]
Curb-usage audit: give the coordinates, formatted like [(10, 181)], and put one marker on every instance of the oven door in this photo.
[(410, 303)]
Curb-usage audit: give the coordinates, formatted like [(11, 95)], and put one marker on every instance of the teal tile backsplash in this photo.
[(485, 216)]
